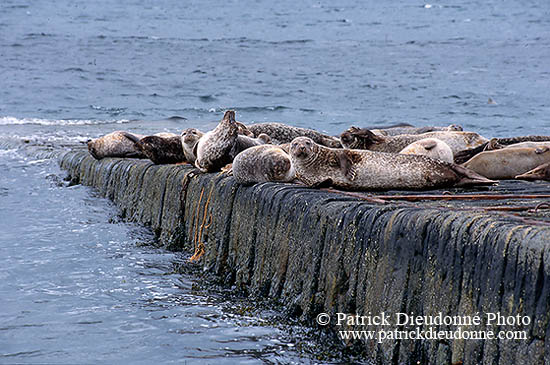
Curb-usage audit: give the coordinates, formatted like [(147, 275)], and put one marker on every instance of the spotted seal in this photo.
[(281, 133), (368, 170), (405, 128), (541, 172), (497, 143), (213, 151), (115, 144), (219, 147), (161, 148), (261, 164), (507, 163), (364, 139), (243, 142), (529, 144), (189, 139), (431, 147)]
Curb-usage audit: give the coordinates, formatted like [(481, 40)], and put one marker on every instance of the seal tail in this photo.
[(469, 177), (541, 172)]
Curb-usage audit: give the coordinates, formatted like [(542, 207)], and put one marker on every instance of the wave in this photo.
[(38, 121), (238, 40), (268, 108)]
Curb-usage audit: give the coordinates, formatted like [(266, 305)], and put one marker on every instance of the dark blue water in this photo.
[(309, 63), (77, 285)]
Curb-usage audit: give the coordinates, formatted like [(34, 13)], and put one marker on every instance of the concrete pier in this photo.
[(322, 252)]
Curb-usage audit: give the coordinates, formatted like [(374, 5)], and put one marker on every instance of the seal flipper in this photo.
[(468, 177), (137, 142), (465, 155), (135, 139), (227, 169), (429, 144), (327, 183), (493, 145), (541, 172), (195, 147), (134, 154), (243, 130), (346, 165)]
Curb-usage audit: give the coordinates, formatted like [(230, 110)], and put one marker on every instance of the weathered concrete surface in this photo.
[(317, 251)]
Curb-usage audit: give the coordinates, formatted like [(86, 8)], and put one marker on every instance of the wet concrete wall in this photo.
[(317, 251)]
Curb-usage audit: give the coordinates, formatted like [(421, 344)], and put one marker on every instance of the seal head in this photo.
[(359, 138), (304, 149), (189, 139)]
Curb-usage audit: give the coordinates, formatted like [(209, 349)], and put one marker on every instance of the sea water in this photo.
[(80, 286)]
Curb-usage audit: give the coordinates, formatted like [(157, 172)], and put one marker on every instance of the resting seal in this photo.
[(189, 139), (507, 163), (529, 144), (115, 144), (496, 143), (261, 164), (367, 170), (213, 150), (243, 142), (431, 147), (282, 133), (405, 128), (541, 172), (161, 148), (364, 139)]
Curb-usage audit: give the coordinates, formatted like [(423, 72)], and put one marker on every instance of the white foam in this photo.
[(8, 152), (34, 162), (38, 121)]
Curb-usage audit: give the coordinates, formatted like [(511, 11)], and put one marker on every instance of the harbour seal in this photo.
[(518, 139), (529, 144), (214, 148), (189, 139), (496, 143), (405, 128), (464, 155), (115, 144), (243, 142), (162, 150), (282, 133), (507, 163), (261, 164), (541, 172), (219, 147), (368, 170), (431, 147), (243, 130), (364, 139)]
